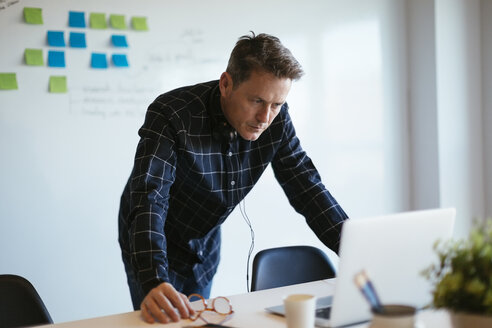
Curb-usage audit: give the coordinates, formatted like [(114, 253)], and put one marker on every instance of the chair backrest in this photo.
[(20, 304), (283, 266)]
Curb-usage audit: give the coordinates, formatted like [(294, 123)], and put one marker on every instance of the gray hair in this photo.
[(262, 52)]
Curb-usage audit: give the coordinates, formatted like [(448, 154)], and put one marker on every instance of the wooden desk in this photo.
[(249, 311)]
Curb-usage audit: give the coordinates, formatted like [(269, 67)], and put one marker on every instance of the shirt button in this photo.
[(233, 183), (230, 154)]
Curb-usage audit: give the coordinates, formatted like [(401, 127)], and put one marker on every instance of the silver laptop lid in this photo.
[(393, 249)]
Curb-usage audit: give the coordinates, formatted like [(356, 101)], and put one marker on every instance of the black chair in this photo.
[(283, 266), (20, 304)]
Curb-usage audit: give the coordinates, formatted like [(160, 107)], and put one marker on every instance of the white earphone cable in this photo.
[(242, 208), (244, 214)]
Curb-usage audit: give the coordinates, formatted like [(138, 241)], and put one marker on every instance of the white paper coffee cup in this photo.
[(300, 310)]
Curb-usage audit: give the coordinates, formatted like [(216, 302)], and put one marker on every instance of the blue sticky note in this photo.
[(119, 41), (77, 40), (120, 60), (76, 19), (56, 58), (98, 60), (56, 39)]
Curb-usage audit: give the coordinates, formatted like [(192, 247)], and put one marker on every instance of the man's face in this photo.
[(251, 107)]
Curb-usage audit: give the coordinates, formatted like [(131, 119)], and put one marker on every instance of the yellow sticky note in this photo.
[(140, 23), (34, 57), (58, 84), (117, 21), (98, 20), (33, 15), (8, 81)]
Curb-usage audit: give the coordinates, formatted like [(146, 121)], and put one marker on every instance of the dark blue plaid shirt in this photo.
[(185, 183)]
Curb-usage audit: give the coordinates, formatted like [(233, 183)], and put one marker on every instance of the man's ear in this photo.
[(225, 84)]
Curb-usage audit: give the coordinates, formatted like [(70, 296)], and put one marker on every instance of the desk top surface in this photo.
[(250, 311)]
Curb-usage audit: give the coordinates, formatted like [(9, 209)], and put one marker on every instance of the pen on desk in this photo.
[(367, 289)]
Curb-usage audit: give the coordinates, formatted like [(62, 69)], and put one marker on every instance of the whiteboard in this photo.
[(66, 157)]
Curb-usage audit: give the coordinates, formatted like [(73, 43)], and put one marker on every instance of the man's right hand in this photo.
[(162, 302)]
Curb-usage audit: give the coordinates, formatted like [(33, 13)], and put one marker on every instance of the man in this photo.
[(202, 149)]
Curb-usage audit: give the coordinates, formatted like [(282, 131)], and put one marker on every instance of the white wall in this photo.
[(448, 72), (424, 159), (459, 108), (486, 33)]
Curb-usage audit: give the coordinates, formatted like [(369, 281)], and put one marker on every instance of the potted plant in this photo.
[(462, 278)]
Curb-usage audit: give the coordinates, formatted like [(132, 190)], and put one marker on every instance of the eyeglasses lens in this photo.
[(197, 304), (222, 305)]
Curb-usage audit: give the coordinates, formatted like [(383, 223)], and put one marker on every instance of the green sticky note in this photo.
[(98, 20), (33, 15), (140, 23), (58, 84), (34, 57), (8, 81), (117, 21)]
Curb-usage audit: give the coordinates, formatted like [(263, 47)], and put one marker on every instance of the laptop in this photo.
[(393, 250)]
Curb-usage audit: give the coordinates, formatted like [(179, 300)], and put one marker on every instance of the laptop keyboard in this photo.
[(323, 313)]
